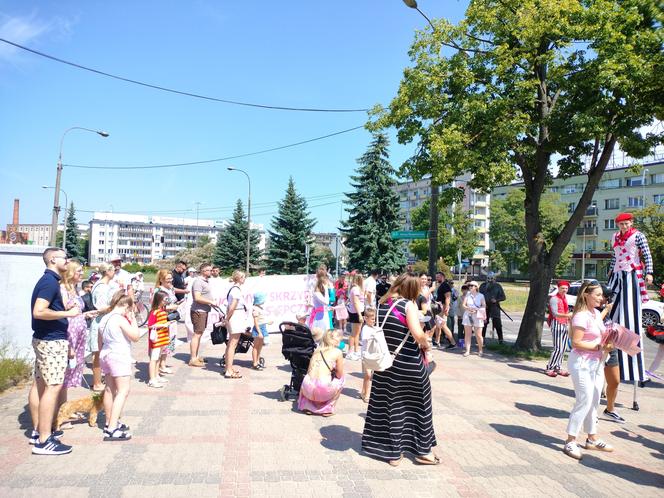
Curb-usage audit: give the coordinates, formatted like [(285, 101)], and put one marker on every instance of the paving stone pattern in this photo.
[(499, 424)]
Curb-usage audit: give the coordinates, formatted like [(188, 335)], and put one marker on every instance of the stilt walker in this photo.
[(630, 272)]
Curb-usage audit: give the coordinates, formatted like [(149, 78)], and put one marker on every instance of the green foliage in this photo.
[(72, 241), (508, 229), (231, 249), (12, 370), (530, 83), (203, 240), (456, 233), (291, 229), (83, 249), (323, 255), (373, 212), (136, 267), (650, 221), (194, 256)]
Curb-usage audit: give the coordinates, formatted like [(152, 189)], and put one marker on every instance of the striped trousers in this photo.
[(627, 312), (560, 334)]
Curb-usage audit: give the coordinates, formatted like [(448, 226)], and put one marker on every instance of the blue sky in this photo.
[(341, 54)]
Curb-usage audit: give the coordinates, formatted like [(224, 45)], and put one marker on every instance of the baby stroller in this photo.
[(298, 347), (219, 335)]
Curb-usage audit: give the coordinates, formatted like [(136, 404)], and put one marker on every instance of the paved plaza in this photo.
[(499, 424)]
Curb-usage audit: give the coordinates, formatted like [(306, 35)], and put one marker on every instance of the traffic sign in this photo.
[(409, 235)]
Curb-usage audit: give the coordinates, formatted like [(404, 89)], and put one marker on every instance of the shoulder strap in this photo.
[(388, 312), (229, 290), (325, 361), (405, 338)]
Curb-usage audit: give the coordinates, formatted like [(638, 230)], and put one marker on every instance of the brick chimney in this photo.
[(15, 218)]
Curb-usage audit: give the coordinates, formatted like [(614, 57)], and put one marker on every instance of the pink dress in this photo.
[(319, 396), (77, 336)]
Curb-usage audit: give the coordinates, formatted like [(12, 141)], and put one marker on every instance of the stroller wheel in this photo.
[(222, 362), (283, 395), (261, 362)]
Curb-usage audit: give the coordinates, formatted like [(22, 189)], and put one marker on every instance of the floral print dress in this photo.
[(77, 336)]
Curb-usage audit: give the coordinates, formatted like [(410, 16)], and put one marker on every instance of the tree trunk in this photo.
[(530, 331)]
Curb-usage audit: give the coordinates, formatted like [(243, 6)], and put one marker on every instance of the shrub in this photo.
[(12, 370)]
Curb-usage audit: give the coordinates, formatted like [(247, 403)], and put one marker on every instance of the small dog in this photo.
[(91, 405)]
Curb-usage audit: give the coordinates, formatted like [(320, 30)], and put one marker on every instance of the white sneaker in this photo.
[(571, 449), (154, 383), (163, 380), (598, 445)]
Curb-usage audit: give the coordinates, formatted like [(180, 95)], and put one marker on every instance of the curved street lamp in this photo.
[(248, 215), (56, 198)]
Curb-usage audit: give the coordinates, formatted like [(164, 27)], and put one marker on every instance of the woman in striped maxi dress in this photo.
[(399, 418), (630, 271)]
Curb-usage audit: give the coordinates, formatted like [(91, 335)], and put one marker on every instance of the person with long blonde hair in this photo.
[(77, 330), (324, 381), (586, 369), (355, 315), (237, 321)]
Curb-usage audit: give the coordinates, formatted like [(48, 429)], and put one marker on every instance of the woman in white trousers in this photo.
[(587, 370)]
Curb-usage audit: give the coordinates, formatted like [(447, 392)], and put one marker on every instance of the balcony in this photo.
[(586, 231), (591, 211)]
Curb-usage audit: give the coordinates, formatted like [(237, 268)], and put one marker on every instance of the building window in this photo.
[(569, 189), (635, 181), (658, 199), (635, 201), (606, 184), (658, 178), (611, 203), (101, 242), (610, 224), (570, 207)]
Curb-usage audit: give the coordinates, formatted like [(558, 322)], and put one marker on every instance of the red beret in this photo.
[(563, 282), (624, 217)]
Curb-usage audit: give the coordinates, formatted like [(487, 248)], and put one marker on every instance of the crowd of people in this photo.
[(411, 314)]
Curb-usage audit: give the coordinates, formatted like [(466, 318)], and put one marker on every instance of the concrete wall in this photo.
[(21, 267)]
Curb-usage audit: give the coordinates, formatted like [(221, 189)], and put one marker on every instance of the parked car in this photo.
[(652, 312)]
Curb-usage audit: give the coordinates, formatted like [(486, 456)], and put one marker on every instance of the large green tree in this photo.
[(508, 228), (456, 232), (231, 249), (373, 212), (291, 230), (650, 220), (72, 244), (532, 89)]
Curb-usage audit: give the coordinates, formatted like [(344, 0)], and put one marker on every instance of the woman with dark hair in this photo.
[(340, 310), (399, 417)]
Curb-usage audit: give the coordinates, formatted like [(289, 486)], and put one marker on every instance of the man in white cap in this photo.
[(122, 277)]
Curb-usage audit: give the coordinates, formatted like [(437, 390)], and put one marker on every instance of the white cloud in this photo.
[(25, 30)]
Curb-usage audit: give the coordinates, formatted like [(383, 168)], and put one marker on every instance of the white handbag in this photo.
[(376, 356)]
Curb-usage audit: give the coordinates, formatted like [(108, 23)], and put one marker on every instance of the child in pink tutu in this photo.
[(324, 381)]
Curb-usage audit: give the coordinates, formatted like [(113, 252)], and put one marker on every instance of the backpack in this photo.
[(376, 355)]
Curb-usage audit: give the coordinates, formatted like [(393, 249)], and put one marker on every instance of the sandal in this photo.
[(395, 463), (429, 459), (256, 367), (117, 435), (234, 375)]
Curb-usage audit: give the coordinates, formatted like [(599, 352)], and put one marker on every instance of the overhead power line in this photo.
[(227, 158), (178, 92)]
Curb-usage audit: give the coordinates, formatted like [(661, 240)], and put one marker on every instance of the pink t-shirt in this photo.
[(591, 323), (355, 292)]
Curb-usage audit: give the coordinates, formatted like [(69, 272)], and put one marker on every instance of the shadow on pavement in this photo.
[(269, 394), (141, 373), (25, 421), (626, 472), (542, 411), (652, 428), (638, 438), (340, 438), (525, 367), (556, 389)]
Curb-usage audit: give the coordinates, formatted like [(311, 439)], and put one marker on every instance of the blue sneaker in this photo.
[(34, 437), (51, 447)]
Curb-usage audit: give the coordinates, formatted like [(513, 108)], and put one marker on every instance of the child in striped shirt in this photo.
[(158, 338)]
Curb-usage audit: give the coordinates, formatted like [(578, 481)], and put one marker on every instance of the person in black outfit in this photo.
[(179, 287), (493, 294), (382, 286), (86, 286)]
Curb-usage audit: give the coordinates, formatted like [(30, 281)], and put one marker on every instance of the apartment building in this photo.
[(621, 189), (144, 239), (412, 195)]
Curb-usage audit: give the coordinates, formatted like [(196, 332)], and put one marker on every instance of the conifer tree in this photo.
[(72, 246), (373, 212), (231, 248), (291, 229)]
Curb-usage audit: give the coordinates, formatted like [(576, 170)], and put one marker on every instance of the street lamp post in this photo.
[(248, 215), (433, 207), (64, 218), (58, 175), (643, 185)]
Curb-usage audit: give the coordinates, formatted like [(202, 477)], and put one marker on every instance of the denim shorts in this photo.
[(263, 331), (612, 359)]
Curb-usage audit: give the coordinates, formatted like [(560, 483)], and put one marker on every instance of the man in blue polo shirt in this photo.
[(49, 341)]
